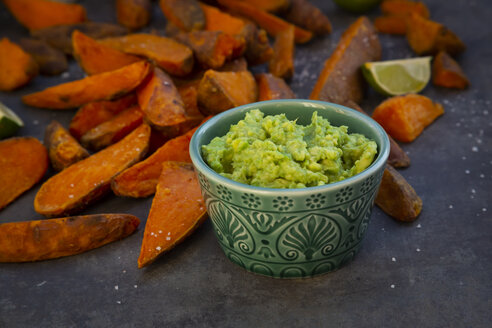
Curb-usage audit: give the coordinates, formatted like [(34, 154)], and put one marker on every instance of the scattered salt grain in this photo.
[(70, 196), (467, 171), (158, 248), (484, 209), (65, 75), (116, 287), (418, 249), (119, 302), (168, 238), (393, 259), (482, 175), (475, 149), (450, 206), (160, 231), (41, 283), (135, 286), (392, 286), (473, 191)]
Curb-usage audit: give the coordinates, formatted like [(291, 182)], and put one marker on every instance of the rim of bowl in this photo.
[(201, 165)]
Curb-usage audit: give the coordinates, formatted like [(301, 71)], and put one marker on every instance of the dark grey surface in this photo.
[(435, 272)]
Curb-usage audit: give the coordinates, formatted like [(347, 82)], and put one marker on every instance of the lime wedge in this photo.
[(397, 77), (9, 122)]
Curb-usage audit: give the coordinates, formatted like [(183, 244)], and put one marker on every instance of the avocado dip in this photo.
[(274, 152)]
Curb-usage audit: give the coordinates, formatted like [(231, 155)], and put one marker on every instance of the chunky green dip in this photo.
[(273, 152)]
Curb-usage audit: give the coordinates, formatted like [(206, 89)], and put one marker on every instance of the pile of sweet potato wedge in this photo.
[(142, 99)]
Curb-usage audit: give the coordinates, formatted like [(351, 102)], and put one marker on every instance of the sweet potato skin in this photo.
[(96, 58), (397, 198), (405, 117), (282, 62), (133, 14), (270, 5), (53, 238), (177, 210), (271, 87), (304, 14), (446, 72), (63, 149), (24, 157), (35, 14), (404, 7), (391, 24), (341, 78), (51, 61), (104, 86), (88, 180), (17, 67), (187, 15)]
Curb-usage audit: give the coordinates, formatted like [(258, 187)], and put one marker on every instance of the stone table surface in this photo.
[(434, 272)]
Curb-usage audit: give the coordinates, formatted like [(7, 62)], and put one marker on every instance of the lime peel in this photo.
[(9, 122)]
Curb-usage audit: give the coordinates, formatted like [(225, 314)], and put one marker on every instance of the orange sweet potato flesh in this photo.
[(96, 58), (113, 130), (304, 14), (405, 117), (177, 210), (341, 79), (51, 61), (397, 198), (170, 55), (17, 67), (104, 86), (38, 240), (86, 181), (271, 87), (428, 37), (187, 15), (391, 24), (141, 179), (282, 62), (218, 20), (97, 112), (270, 5), (446, 72), (35, 14), (23, 163), (63, 149), (220, 91), (270, 23), (404, 7), (60, 36), (133, 14)]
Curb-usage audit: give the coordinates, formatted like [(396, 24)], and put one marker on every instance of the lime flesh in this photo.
[(9, 122), (397, 77)]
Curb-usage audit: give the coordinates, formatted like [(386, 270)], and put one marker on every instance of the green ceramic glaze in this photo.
[(291, 233)]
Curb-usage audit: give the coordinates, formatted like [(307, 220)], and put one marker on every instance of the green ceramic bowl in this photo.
[(290, 233)]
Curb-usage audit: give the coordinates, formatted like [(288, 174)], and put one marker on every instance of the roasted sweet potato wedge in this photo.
[(96, 58), (271, 87), (104, 86), (60, 36), (177, 210), (272, 6), (341, 78), (446, 72), (35, 14), (86, 181), (51, 61), (282, 62), (17, 67), (63, 149), (258, 49), (53, 238), (113, 130), (391, 24), (397, 198), (23, 163), (404, 7), (97, 112), (405, 117), (306, 15), (133, 14), (187, 15), (170, 55), (220, 91)]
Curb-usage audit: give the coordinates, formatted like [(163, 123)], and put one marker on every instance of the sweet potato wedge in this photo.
[(17, 67), (218, 20), (24, 157), (133, 14), (391, 24), (405, 117), (258, 49), (270, 23), (95, 58), (306, 15), (282, 62), (237, 65), (428, 37), (140, 180), (271, 87), (60, 36), (51, 61), (341, 78), (104, 86), (95, 113), (446, 72), (86, 181), (404, 7), (272, 6), (35, 14), (177, 210), (170, 55), (113, 130), (397, 198), (53, 238), (63, 149), (220, 91), (187, 15)]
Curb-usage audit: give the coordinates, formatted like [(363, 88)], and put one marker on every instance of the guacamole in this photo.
[(273, 152)]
